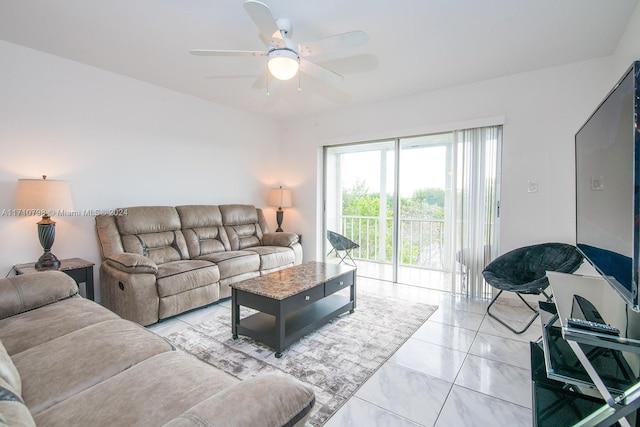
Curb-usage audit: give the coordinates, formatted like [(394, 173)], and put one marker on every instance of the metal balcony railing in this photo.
[(421, 242)]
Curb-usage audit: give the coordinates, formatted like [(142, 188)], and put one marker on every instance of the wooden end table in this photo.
[(78, 269), (292, 302)]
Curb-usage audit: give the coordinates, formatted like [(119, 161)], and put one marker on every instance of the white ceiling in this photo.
[(415, 45)]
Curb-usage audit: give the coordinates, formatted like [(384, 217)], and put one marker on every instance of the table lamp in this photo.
[(43, 197), (280, 198)]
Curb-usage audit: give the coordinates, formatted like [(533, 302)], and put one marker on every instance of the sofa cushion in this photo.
[(238, 214), (203, 230), (273, 256), (206, 240), (243, 236), (61, 368), (268, 400), (22, 293), (196, 216), (160, 247), (35, 327), (153, 231), (132, 263), (147, 220), (241, 225), (179, 276), (282, 238), (172, 305), (150, 393), (234, 263), (108, 235)]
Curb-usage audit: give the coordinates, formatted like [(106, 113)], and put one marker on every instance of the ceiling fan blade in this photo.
[(328, 44), (207, 52), (320, 73), (262, 17), (352, 64), (262, 80)]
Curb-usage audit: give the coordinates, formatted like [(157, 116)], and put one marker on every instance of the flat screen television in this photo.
[(607, 184)]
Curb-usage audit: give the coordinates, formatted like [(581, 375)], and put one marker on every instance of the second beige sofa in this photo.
[(160, 261)]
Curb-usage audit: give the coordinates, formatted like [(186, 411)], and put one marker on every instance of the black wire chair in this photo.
[(523, 271), (342, 246)]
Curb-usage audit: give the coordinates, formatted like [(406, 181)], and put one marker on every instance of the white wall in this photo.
[(119, 142), (628, 49), (542, 109)]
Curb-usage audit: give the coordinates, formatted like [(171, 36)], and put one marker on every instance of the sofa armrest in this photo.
[(280, 239), (29, 291), (266, 400), (131, 263)]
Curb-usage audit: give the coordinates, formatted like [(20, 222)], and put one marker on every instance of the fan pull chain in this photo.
[(299, 76), (268, 94)]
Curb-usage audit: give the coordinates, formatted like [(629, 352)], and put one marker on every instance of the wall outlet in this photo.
[(532, 186), (597, 183)]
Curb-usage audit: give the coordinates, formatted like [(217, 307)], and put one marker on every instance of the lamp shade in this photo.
[(279, 197), (283, 64), (43, 194)]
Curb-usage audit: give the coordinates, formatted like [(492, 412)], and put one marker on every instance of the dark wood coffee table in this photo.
[(292, 302)]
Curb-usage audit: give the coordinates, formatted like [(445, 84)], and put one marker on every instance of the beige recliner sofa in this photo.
[(159, 261), (67, 361)]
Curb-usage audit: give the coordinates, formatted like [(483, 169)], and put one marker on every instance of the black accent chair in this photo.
[(523, 271), (342, 244)]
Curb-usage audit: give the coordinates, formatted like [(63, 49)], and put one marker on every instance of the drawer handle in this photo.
[(307, 298), (341, 283)]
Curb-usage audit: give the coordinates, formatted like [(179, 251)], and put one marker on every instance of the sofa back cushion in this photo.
[(203, 230), (108, 235), (154, 232), (242, 226), (22, 293)]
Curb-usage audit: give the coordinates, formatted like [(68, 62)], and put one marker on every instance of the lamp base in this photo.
[(47, 261), (279, 215), (47, 234)]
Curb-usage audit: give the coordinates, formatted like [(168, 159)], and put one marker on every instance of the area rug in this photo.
[(335, 360)]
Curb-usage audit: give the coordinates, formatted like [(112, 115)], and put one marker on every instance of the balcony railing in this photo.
[(421, 242)]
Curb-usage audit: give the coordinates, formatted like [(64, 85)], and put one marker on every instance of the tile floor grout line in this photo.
[(453, 383), (388, 410)]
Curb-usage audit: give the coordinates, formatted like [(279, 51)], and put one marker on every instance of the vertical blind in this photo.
[(476, 175)]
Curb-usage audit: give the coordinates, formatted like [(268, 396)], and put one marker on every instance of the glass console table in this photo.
[(579, 377)]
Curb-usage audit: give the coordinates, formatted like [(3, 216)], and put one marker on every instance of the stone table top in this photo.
[(290, 281), (65, 264)]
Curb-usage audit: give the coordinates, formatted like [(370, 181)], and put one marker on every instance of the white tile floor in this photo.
[(461, 368)]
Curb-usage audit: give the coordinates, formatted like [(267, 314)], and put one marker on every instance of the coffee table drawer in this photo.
[(304, 298), (338, 283)]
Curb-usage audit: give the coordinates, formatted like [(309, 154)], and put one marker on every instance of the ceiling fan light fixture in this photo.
[(283, 64)]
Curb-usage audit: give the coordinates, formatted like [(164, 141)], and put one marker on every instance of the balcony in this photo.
[(423, 257)]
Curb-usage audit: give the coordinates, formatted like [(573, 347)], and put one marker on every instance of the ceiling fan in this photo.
[(285, 58)]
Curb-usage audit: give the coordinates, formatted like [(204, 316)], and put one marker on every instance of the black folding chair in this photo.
[(342, 244), (523, 271)]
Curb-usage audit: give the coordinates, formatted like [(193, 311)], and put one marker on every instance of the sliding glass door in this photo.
[(359, 202), (424, 178), (423, 209)]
